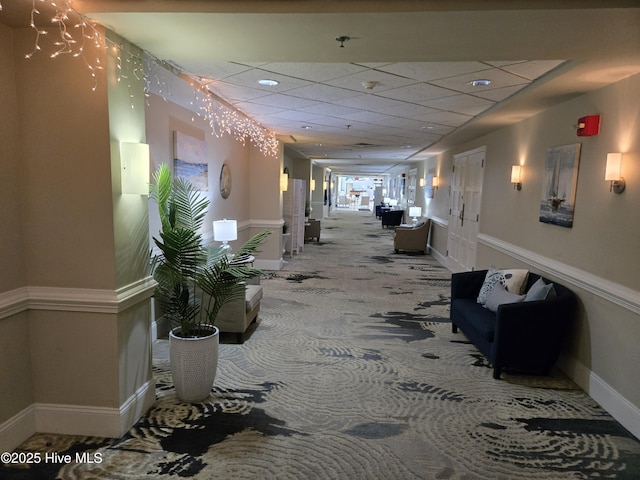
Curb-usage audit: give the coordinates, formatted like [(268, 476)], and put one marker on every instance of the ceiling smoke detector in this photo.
[(369, 85)]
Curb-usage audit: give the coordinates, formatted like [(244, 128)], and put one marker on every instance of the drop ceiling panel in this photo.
[(417, 93), (422, 58), (499, 79), (532, 70), (314, 72), (428, 71)]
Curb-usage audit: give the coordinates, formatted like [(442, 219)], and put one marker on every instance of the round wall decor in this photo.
[(225, 180)]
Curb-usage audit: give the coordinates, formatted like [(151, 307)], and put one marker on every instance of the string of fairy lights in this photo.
[(71, 33)]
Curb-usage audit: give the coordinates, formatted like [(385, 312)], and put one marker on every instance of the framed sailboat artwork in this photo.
[(559, 184)]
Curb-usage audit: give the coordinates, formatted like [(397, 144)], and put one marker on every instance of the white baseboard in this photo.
[(76, 419), (17, 429), (615, 404), (269, 264), (606, 396), (95, 421), (602, 393)]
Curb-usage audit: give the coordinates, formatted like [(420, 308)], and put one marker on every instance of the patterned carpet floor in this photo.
[(353, 373)]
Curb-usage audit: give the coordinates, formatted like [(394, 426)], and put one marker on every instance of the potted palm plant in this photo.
[(193, 282)]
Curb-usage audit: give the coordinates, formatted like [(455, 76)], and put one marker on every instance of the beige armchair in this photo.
[(412, 238), (236, 315)]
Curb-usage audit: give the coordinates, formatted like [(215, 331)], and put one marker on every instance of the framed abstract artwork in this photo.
[(559, 183), (190, 160)]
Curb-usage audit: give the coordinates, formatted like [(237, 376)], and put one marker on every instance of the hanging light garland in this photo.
[(74, 35)]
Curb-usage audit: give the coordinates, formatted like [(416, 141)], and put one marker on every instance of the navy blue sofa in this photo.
[(524, 336), (392, 218)]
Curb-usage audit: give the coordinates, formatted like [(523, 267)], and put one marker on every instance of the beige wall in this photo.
[(75, 346), (66, 171), (255, 200), (12, 265), (598, 257)]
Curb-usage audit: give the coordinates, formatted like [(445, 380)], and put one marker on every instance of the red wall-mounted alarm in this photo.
[(589, 125)]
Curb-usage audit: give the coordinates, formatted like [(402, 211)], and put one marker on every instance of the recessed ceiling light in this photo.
[(482, 82), (268, 82)]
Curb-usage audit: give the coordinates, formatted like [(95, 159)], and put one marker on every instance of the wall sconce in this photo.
[(225, 231), (284, 182), (422, 182), (516, 176), (415, 212), (134, 168), (435, 182), (313, 184), (612, 172)]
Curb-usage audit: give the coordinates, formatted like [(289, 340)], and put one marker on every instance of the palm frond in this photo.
[(252, 245), (189, 274)]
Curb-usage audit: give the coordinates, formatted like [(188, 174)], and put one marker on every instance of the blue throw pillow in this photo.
[(499, 296), (540, 291)]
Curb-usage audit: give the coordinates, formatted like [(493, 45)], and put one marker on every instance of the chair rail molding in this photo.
[(613, 292), (75, 299)]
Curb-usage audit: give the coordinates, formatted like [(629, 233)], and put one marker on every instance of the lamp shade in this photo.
[(415, 211), (134, 158), (612, 171), (515, 173), (225, 230)]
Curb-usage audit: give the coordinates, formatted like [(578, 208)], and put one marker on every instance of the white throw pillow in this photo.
[(516, 280), (494, 276)]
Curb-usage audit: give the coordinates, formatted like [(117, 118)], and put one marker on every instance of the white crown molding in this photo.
[(75, 299), (613, 292)]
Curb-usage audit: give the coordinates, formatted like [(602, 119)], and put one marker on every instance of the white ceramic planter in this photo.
[(194, 362)]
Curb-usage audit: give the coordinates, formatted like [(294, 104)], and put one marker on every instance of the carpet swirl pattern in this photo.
[(353, 373)]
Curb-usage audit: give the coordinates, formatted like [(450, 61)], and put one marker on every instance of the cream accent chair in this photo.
[(236, 315), (412, 238)]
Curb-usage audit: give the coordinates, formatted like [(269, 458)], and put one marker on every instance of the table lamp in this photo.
[(225, 231)]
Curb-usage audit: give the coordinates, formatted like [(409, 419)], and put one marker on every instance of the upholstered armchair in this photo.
[(236, 315), (392, 218), (412, 238), (312, 230)]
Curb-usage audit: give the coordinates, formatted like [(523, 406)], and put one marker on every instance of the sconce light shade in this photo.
[(225, 230), (284, 182), (435, 182), (612, 172), (134, 172), (422, 182), (516, 176), (313, 184)]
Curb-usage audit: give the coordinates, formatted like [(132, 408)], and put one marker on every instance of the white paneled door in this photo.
[(466, 196)]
